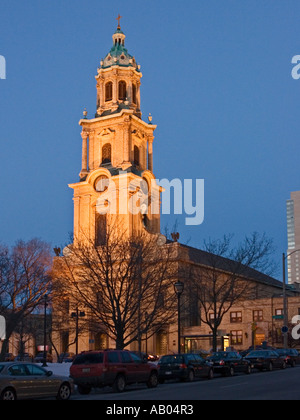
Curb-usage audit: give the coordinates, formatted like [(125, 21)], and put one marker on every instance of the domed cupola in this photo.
[(118, 79), (118, 55)]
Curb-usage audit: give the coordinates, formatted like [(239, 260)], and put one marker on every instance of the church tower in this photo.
[(116, 180)]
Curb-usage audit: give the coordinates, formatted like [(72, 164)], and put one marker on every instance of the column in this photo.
[(150, 154), (91, 150), (84, 136), (115, 91), (126, 141)]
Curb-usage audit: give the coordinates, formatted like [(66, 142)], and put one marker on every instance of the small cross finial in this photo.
[(118, 19)]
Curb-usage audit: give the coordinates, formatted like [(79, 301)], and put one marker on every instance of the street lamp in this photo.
[(179, 287), (285, 314), (76, 315), (45, 331)]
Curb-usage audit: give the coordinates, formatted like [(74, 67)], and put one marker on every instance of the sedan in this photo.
[(66, 357), (291, 356), (39, 358), (21, 380), (229, 362), (266, 359), (184, 366)]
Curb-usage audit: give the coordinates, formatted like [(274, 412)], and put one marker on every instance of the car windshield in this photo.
[(283, 352), (258, 353), (221, 355), (171, 359), (287, 352), (1, 367)]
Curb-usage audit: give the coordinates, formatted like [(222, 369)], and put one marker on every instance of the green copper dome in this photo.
[(118, 55)]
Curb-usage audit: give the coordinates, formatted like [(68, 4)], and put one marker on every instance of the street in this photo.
[(276, 385)]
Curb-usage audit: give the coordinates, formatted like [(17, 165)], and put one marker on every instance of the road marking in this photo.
[(230, 386)]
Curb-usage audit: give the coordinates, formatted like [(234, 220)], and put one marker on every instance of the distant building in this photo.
[(293, 231)]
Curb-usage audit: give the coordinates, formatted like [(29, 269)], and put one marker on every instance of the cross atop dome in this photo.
[(118, 19)]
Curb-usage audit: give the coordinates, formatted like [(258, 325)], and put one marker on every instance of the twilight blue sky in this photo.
[(216, 78)]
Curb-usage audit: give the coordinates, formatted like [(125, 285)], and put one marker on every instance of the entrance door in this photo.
[(162, 343)]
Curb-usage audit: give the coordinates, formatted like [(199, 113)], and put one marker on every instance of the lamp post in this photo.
[(285, 314), (139, 261), (76, 315), (45, 331), (179, 287)]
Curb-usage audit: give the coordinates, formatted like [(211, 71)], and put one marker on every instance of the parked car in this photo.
[(266, 359), (39, 358), (153, 357), (116, 368), (22, 380), (229, 362), (244, 353), (9, 357), (291, 356), (184, 367), (146, 356), (66, 357), (25, 357)]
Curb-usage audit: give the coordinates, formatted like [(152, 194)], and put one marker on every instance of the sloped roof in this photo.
[(208, 259)]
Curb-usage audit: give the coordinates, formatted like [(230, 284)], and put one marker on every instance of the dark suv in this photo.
[(116, 368)]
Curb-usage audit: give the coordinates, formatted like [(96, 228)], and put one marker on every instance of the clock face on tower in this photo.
[(101, 183)]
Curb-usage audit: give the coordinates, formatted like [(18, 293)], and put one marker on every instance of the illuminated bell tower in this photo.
[(116, 151)]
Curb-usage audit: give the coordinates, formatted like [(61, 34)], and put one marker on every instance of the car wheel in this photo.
[(8, 395), (153, 380), (119, 384), (283, 365), (64, 392), (231, 371), (248, 370), (270, 368), (293, 363), (83, 390), (191, 376), (210, 374)]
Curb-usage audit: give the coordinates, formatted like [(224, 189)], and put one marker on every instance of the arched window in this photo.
[(134, 94), (108, 91), (136, 156), (122, 90), (106, 153), (100, 229)]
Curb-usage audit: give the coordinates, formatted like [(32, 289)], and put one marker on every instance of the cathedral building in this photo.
[(117, 186)]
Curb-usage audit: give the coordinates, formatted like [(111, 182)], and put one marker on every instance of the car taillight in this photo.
[(221, 362), (183, 366)]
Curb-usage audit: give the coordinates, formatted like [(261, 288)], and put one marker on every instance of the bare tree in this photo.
[(124, 284), (68, 322), (24, 280), (223, 277)]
